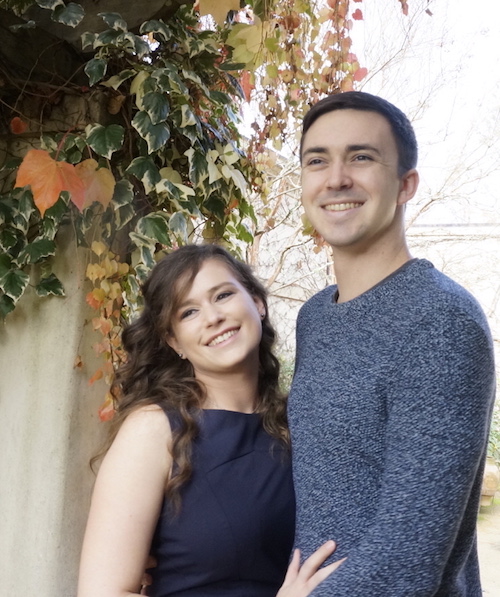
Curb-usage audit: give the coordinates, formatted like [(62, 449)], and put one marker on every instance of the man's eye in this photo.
[(362, 158), (314, 162)]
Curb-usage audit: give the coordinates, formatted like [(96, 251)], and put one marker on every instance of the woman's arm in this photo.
[(127, 498)]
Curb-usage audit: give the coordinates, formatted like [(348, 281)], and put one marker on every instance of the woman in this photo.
[(197, 472)]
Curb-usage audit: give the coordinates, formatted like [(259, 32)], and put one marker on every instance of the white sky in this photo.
[(443, 71)]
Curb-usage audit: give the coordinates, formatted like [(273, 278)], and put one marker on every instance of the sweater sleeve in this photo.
[(439, 401)]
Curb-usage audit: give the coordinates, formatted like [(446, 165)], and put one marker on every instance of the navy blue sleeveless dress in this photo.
[(235, 529)]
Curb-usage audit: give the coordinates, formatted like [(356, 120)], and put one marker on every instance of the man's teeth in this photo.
[(222, 337), (342, 206)]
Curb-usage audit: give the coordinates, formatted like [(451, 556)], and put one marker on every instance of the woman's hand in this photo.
[(300, 581)]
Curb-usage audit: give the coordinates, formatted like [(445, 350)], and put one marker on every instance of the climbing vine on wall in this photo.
[(162, 161)]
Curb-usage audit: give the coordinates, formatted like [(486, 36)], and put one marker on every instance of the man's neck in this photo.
[(357, 273)]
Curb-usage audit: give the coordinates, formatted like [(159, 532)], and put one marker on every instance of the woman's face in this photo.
[(218, 325)]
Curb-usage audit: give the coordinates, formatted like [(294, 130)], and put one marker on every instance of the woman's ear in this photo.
[(172, 342), (260, 306)]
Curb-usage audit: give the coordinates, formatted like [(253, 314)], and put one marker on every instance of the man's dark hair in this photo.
[(401, 127)]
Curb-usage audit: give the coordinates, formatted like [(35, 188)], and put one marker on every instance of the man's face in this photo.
[(351, 191)]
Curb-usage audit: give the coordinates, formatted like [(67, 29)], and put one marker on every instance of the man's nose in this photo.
[(338, 176)]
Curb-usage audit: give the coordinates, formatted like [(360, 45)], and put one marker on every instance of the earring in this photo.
[(262, 315), (180, 355)]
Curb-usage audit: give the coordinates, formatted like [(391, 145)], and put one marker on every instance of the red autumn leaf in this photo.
[(357, 15), (17, 125), (99, 183), (107, 409), (97, 375), (246, 84), (360, 74), (48, 178)]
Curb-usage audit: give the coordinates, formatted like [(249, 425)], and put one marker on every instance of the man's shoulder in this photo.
[(436, 296)]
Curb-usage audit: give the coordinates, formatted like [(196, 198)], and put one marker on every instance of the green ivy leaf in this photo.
[(5, 263), (156, 105), (192, 76), (50, 285), (88, 39), (145, 170), (60, 208), (134, 43), (95, 70), (244, 233), (123, 215), (50, 4), (155, 135), (70, 15), (195, 46), (118, 79), (106, 38), (168, 80), (11, 164), (178, 225), (7, 305), (105, 140), (155, 226), (146, 248), (123, 193), (36, 251), (113, 20), (198, 166), (158, 27), (22, 26), (8, 239), (13, 283)]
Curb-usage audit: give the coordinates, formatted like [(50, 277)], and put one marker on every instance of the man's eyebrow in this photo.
[(363, 147), (317, 149), (349, 149)]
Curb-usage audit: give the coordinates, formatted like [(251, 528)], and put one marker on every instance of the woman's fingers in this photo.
[(301, 580), (315, 560), (320, 575), (293, 568)]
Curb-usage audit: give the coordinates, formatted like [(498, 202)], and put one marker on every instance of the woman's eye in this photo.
[(188, 313), (223, 295)]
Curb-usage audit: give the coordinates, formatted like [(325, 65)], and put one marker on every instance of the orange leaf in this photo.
[(97, 375), (360, 74), (357, 15), (107, 409), (48, 178), (17, 125), (246, 84), (346, 84), (99, 184)]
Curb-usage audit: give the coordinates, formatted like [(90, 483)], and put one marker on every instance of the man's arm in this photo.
[(438, 414)]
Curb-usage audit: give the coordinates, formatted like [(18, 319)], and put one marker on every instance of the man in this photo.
[(390, 405)]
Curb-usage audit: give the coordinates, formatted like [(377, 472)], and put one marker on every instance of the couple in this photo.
[(388, 412)]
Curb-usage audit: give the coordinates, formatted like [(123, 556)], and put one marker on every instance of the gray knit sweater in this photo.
[(389, 413)]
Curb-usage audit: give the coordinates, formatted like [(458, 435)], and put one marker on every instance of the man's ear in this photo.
[(408, 186)]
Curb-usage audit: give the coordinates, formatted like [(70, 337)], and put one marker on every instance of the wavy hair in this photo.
[(154, 374)]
